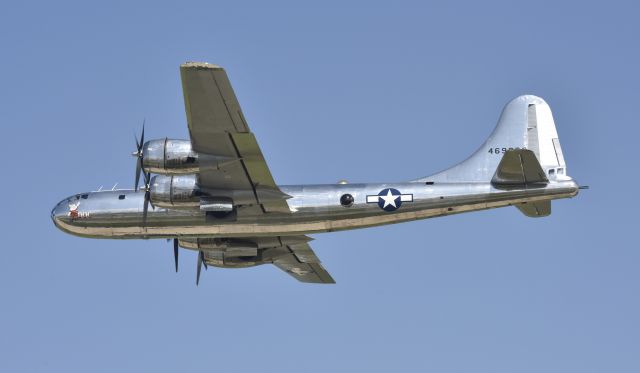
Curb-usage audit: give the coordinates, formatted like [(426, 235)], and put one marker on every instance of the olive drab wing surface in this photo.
[(230, 158)]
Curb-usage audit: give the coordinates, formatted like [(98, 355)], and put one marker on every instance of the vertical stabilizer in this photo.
[(526, 123)]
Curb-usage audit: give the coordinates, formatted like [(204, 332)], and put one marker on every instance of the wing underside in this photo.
[(303, 265), (291, 254)]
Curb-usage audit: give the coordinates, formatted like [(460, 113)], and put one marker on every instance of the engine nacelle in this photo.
[(226, 253), (169, 157), (231, 246), (182, 191), (175, 191)]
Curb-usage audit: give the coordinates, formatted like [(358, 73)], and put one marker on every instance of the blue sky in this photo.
[(323, 85)]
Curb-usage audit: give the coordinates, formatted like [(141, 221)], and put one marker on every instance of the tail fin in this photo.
[(526, 123)]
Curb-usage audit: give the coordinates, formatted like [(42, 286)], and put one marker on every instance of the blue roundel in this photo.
[(389, 199)]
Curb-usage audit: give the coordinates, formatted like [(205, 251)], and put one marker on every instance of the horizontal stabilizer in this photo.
[(519, 167), (535, 209)]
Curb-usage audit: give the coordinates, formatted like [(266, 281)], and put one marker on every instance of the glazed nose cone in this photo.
[(59, 212)]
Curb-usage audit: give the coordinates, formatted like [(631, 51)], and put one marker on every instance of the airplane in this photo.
[(214, 193)]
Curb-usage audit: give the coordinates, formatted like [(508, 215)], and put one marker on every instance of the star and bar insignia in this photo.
[(389, 199)]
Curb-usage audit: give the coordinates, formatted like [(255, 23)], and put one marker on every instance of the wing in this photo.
[(291, 254), (303, 264), (229, 156)]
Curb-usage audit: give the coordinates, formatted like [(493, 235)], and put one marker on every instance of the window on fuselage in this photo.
[(122, 196)]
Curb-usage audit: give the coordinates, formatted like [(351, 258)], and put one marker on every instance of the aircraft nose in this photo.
[(58, 212)]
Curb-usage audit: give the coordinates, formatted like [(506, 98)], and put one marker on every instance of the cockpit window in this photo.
[(122, 196), (85, 196)]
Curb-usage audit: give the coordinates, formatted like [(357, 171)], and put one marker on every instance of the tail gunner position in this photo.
[(215, 194)]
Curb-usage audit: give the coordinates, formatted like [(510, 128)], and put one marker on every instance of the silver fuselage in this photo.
[(314, 209)]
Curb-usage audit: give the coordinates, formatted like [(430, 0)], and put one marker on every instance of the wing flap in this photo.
[(304, 253), (258, 172)]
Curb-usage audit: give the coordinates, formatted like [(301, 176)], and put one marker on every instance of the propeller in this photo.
[(139, 155), (201, 261), (175, 252), (147, 197)]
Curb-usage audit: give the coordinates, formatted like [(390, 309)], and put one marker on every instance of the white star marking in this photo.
[(389, 199), (299, 271)]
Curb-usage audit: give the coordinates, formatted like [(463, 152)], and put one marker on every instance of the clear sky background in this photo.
[(361, 91)]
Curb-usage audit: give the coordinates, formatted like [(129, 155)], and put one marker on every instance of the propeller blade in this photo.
[(138, 169), (200, 260), (142, 136), (137, 143), (146, 208), (147, 197), (139, 154), (175, 252)]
